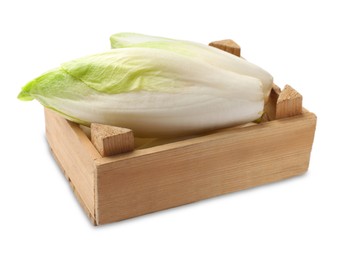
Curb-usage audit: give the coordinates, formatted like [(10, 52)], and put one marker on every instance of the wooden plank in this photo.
[(111, 140), (178, 173), (227, 45), (271, 104), (76, 155), (289, 103)]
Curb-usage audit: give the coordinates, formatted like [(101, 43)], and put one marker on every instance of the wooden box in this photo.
[(142, 181)]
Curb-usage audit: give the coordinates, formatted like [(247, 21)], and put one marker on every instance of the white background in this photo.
[(307, 44)]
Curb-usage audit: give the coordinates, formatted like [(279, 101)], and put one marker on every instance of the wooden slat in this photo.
[(111, 140), (76, 155), (227, 45), (289, 103), (271, 104), (183, 172)]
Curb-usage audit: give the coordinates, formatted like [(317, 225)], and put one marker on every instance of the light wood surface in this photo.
[(183, 172), (227, 45), (76, 156), (271, 104), (289, 103), (148, 180), (111, 140)]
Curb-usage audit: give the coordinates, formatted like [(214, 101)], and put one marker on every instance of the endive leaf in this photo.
[(208, 54), (155, 92)]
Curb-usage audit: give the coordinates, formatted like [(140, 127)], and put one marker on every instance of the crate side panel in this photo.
[(67, 142), (223, 163)]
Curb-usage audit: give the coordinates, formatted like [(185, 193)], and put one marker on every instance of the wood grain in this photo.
[(227, 45), (289, 103), (76, 156), (111, 140), (147, 180), (183, 172), (271, 104)]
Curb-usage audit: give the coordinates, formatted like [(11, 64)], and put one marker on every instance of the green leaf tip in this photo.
[(25, 94)]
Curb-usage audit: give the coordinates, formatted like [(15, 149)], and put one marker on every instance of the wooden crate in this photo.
[(142, 181)]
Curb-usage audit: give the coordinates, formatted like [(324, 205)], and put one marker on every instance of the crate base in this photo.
[(147, 180)]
